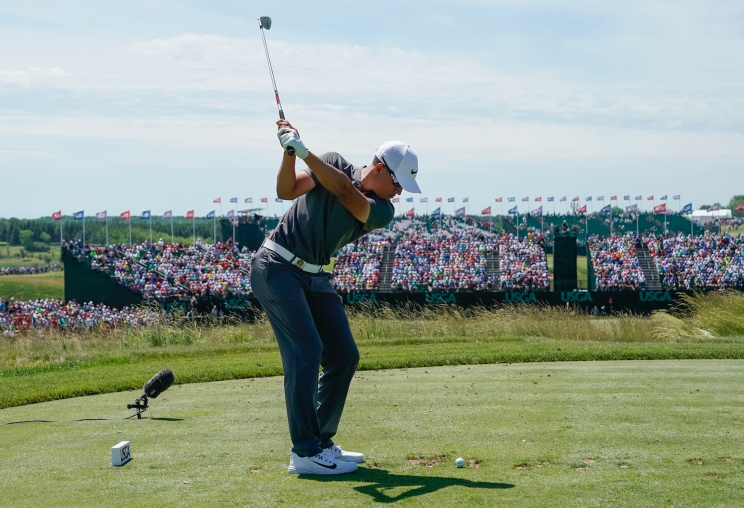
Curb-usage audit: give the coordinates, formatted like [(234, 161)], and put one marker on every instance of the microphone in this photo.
[(159, 383)]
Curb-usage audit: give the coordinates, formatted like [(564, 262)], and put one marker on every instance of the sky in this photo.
[(165, 105)]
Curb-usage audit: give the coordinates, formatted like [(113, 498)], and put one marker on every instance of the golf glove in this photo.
[(290, 138)]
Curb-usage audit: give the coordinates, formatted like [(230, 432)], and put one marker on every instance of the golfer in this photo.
[(335, 204)]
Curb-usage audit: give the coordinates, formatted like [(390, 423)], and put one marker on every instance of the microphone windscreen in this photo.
[(159, 383)]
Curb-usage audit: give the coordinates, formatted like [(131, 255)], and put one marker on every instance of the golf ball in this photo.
[(460, 462)]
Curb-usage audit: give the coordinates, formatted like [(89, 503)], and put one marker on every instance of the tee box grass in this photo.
[(626, 433)]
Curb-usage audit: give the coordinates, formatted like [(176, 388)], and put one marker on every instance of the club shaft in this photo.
[(271, 73)]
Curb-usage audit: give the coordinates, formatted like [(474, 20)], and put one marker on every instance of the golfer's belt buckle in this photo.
[(299, 263)]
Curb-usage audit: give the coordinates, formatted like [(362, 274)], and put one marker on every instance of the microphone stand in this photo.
[(140, 405)]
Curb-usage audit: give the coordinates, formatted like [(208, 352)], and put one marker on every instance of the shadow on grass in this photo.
[(168, 419), (380, 481)]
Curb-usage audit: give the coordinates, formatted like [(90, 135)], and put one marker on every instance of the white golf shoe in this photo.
[(337, 453), (322, 463)]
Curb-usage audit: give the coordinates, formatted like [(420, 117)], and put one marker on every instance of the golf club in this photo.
[(265, 22)]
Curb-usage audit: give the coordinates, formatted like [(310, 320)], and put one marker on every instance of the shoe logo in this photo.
[(323, 465)]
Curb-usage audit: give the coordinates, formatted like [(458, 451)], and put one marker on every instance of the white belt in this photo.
[(293, 260)]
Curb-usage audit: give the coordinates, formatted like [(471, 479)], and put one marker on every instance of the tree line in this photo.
[(27, 232)]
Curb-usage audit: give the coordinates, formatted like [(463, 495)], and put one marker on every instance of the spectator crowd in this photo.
[(19, 316), (615, 263), (712, 261), (29, 270)]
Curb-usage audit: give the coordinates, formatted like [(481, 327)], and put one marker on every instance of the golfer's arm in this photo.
[(340, 186), (290, 185)]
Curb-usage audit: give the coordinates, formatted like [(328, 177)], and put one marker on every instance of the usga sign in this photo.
[(121, 454), (655, 296), (576, 296)]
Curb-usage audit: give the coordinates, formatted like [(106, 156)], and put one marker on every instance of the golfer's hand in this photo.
[(285, 123), (289, 138)]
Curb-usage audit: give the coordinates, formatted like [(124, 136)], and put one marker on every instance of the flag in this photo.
[(550, 200), (249, 200), (125, 215), (277, 200), (424, 200), (600, 198), (513, 211), (436, 212), (527, 198), (563, 198), (537, 212), (739, 208), (605, 209), (538, 199), (410, 213), (450, 200), (145, 214), (715, 207), (651, 197), (613, 198), (395, 200), (233, 200), (57, 215), (438, 200), (499, 200), (588, 199), (409, 200), (638, 198), (190, 214), (210, 215), (626, 198), (487, 211), (688, 208), (631, 209), (660, 208), (264, 200), (218, 200), (230, 214), (676, 197), (663, 197), (168, 214), (575, 199), (102, 215), (465, 200), (511, 200), (581, 210), (460, 212), (79, 215)]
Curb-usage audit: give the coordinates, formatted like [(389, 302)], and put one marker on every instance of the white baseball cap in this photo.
[(401, 160)]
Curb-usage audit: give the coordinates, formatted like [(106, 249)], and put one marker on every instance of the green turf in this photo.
[(529, 425), (31, 287), (9, 253)]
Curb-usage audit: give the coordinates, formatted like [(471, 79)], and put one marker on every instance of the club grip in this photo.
[(290, 151)]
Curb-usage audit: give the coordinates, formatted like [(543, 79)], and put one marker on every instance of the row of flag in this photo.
[(539, 199), (144, 215), (247, 200), (538, 212)]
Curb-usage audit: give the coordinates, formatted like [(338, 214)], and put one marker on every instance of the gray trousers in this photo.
[(312, 330)]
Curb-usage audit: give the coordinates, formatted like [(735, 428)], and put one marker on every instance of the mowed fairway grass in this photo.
[(616, 433), (33, 287)]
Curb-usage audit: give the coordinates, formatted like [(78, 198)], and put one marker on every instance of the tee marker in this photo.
[(121, 454)]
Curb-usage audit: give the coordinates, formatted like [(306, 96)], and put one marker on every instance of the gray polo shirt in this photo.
[(317, 224)]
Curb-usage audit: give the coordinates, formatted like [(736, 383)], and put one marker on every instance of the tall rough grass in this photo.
[(701, 317)]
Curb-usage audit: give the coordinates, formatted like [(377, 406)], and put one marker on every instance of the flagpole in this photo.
[(214, 226), (150, 214), (60, 233), (107, 240), (172, 237), (130, 229), (193, 226)]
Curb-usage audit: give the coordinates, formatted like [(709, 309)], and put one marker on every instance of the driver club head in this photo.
[(265, 22)]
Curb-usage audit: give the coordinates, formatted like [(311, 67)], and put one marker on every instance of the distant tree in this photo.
[(26, 237), (45, 237)]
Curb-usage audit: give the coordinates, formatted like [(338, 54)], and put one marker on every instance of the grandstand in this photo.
[(442, 255)]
